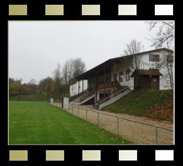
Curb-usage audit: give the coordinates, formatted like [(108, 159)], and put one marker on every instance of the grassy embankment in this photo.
[(44, 96), (31, 97), (156, 104)]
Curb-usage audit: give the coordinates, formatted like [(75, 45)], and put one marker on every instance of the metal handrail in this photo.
[(85, 96), (80, 94), (113, 94)]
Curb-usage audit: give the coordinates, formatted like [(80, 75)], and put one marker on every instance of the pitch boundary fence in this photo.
[(98, 113)]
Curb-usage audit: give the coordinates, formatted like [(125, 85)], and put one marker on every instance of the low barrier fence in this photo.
[(138, 132)]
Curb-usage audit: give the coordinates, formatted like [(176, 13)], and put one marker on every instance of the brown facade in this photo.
[(146, 82), (146, 79)]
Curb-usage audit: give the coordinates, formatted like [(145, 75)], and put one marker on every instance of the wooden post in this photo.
[(117, 125), (90, 82), (96, 88), (104, 81), (114, 76), (78, 86), (82, 86)]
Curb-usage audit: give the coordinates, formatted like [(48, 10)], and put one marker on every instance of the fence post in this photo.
[(98, 119), (72, 109), (117, 125), (86, 114), (156, 134), (78, 111)]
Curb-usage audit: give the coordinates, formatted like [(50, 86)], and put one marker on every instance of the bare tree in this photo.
[(67, 72), (32, 82), (164, 38), (135, 61), (165, 35), (57, 74), (166, 63), (72, 68), (134, 47), (169, 67), (78, 66), (57, 79)]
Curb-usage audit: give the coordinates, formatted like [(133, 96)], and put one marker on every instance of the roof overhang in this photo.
[(150, 72), (99, 70)]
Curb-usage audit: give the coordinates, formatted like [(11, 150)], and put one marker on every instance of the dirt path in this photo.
[(135, 132)]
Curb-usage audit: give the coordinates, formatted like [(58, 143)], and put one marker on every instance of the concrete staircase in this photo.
[(83, 97), (112, 98)]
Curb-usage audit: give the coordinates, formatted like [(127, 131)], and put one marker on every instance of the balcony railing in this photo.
[(90, 91), (109, 85), (106, 85)]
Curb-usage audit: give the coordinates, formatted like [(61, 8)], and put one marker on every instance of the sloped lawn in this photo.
[(156, 104)]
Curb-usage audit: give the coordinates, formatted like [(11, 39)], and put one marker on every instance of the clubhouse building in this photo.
[(116, 77)]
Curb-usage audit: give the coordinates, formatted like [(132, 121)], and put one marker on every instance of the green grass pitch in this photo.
[(39, 123)]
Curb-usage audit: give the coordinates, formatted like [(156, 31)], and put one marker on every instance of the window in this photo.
[(128, 75), (121, 76), (153, 58)]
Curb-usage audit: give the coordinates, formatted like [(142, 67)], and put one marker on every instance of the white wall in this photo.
[(65, 103), (82, 85), (122, 67), (145, 64)]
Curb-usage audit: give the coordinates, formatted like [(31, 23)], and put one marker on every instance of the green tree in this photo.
[(47, 88), (43, 83), (14, 89)]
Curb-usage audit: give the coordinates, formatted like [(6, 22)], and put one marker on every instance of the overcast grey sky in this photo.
[(36, 47)]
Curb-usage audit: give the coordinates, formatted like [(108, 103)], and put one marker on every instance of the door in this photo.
[(155, 83), (146, 82)]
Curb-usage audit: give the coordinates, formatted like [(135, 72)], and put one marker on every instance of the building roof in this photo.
[(99, 69), (150, 72), (145, 52)]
